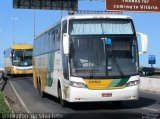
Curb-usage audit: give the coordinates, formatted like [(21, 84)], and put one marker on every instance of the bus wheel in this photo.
[(40, 92), (62, 102)]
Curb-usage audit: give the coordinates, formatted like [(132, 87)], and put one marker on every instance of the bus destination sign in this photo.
[(133, 5)]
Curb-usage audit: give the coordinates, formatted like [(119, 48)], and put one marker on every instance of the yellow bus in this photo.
[(88, 58), (18, 59)]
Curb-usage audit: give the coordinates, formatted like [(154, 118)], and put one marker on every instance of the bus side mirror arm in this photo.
[(66, 44), (144, 42)]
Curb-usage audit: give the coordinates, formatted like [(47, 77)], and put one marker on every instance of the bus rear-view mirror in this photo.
[(144, 42)]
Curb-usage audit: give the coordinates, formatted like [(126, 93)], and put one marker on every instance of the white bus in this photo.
[(88, 58)]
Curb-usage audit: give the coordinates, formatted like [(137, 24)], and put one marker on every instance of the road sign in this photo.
[(133, 5), (152, 59), (46, 4)]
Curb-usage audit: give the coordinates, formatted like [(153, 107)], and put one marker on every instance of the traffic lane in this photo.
[(156, 97), (107, 115), (32, 100), (49, 104), (127, 106), (39, 109)]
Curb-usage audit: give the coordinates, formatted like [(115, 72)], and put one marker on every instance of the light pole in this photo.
[(13, 26), (34, 23)]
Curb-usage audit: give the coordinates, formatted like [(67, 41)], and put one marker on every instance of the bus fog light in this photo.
[(77, 98), (78, 84), (132, 97), (133, 83)]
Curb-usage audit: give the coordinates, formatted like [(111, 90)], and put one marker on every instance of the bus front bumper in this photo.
[(22, 72), (87, 95)]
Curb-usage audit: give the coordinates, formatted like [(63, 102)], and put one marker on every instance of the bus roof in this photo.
[(97, 16), (50, 27), (21, 46), (86, 16)]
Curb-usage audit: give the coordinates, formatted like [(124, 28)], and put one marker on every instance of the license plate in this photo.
[(106, 94)]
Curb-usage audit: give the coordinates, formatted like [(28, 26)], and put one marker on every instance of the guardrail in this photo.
[(150, 84)]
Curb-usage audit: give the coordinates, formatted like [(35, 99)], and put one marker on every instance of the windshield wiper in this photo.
[(118, 67), (92, 72)]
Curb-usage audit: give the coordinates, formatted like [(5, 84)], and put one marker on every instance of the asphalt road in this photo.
[(147, 107)]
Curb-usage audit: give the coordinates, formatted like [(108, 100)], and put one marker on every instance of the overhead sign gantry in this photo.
[(46, 4)]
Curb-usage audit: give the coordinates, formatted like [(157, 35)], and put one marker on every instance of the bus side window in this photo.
[(53, 40), (58, 37)]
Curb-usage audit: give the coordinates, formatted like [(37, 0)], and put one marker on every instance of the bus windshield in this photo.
[(91, 55), (22, 57)]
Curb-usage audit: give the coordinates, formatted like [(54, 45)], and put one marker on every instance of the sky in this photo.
[(148, 23)]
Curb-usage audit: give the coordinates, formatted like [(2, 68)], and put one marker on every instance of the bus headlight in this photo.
[(133, 83), (78, 84)]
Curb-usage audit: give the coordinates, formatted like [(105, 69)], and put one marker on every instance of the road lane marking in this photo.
[(20, 99), (150, 109)]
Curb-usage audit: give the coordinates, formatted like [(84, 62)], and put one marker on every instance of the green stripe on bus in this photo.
[(118, 82)]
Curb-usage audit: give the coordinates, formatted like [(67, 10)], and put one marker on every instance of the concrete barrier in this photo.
[(150, 84)]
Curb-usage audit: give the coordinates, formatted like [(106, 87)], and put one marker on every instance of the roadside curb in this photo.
[(149, 91), (20, 99), (8, 104)]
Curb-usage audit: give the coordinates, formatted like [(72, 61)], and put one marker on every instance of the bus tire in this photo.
[(62, 102), (40, 92)]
